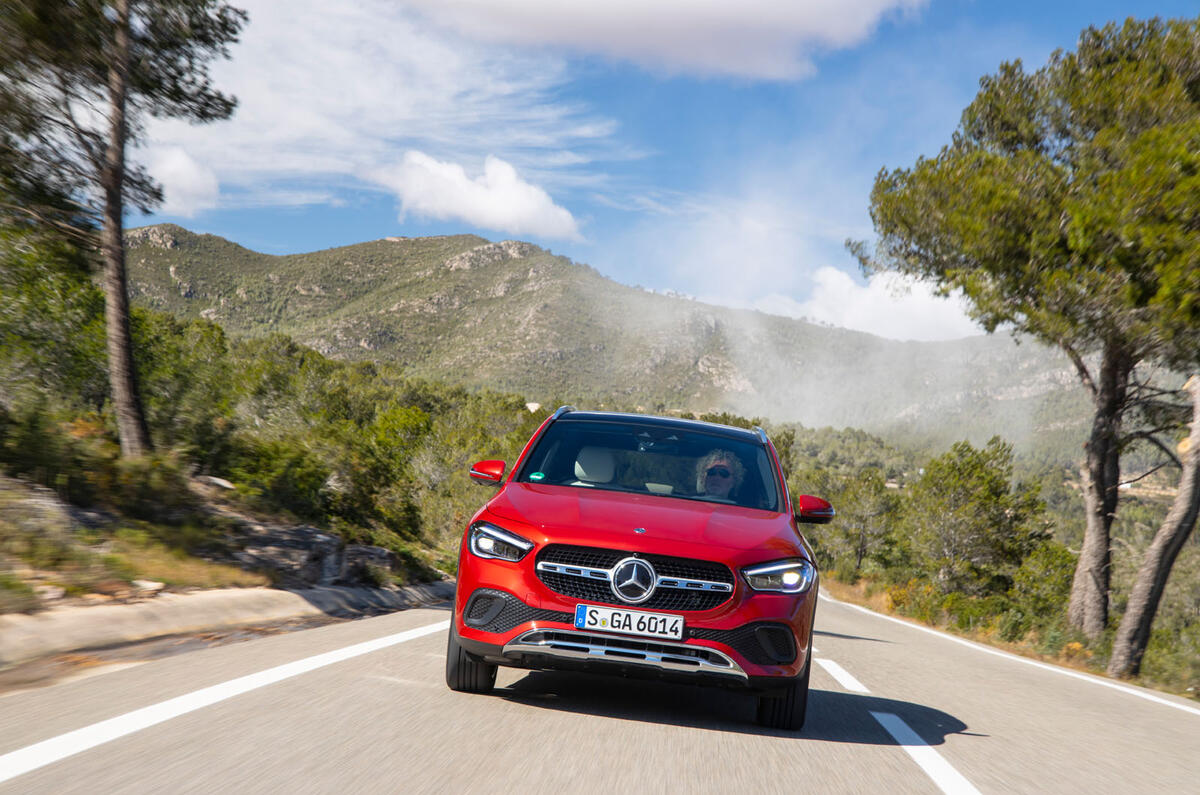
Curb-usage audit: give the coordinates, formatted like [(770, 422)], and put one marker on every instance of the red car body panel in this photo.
[(648, 524)]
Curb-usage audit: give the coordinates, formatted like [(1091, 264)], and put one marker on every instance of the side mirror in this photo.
[(814, 510), (489, 473)]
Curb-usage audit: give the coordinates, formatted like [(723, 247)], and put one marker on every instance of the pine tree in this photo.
[(1065, 207), (77, 80)]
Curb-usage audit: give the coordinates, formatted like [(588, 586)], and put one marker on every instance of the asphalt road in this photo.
[(362, 707)]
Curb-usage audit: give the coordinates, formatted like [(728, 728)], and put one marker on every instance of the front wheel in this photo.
[(787, 710), (464, 673)]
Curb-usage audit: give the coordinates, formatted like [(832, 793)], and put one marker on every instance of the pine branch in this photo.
[(1154, 440), (1144, 475), (1080, 367), (80, 235)]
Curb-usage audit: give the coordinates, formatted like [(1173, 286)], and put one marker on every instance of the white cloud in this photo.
[(781, 252), (329, 94), (497, 199), (752, 38), (188, 187), (770, 227), (887, 306), (763, 237)]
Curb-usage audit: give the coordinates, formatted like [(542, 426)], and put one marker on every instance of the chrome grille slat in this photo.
[(575, 571), (587, 572), (662, 582)]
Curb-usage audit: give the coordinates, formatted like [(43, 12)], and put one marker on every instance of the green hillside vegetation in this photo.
[(514, 317), (965, 541)]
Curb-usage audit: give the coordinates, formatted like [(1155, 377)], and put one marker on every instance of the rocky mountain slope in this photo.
[(513, 316)]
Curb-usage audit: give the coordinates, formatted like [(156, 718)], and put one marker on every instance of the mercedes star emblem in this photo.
[(633, 580)]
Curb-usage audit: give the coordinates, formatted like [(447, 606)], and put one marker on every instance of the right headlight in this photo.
[(783, 576), (490, 541)]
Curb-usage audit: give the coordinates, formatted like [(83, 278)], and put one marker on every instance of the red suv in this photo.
[(641, 546)]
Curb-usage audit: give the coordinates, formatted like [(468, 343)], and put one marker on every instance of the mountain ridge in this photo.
[(513, 316)]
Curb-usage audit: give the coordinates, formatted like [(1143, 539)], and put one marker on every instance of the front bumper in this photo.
[(498, 627)]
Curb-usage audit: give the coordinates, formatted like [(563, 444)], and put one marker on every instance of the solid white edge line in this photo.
[(32, 757), (934, 764), (1017, 658), (843, 677)]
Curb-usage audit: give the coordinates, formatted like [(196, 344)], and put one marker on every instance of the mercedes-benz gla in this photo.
[(641, 546)]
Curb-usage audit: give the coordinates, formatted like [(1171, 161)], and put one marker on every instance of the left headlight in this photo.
[(784, 576), (490, 541)]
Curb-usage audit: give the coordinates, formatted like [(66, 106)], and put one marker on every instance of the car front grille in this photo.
[(698, 584)]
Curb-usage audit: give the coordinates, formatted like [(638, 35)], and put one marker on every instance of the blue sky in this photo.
[(717, 149)]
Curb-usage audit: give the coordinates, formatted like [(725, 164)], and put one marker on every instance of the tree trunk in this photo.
[(131, 420), (1088, 607), (861, 551), (1134, 633)]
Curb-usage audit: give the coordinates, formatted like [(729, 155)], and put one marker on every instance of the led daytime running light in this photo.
[(489, 541), (785, 576)]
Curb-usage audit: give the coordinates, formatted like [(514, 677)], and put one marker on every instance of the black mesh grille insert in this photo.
[(762, 643), (514, 612), (663, 599)]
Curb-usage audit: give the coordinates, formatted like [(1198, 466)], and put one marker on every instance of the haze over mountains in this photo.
[(513, 316)]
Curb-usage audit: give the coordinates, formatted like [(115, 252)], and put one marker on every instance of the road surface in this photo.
[(362, 707)]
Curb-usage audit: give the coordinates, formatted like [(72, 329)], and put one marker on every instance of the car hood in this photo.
[(673, 526)]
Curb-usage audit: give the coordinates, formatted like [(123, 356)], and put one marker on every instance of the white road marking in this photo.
[(946, 777), (938, 769), (1045, 667), (842, 676), (55, 749)]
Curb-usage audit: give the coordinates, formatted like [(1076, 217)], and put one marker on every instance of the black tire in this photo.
[(787, 709), (465, 673)]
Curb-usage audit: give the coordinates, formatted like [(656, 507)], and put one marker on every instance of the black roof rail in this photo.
[(561, 410), (761, 434)]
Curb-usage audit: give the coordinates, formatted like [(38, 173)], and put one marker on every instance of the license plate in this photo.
[(629, 622)]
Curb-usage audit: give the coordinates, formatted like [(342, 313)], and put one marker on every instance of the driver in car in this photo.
[(718, 473)]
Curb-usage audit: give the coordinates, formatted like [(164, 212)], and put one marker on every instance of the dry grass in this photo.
[(856, 594), (1073, 655), (156, 562)]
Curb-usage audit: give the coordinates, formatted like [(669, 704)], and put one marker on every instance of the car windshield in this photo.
[(661, 460)]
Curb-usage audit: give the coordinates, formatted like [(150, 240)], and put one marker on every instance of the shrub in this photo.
[(184, 369), (153, 487), (916, 598), (1042, 584), (16, 596), (1013, 625), (970, 527), (969, 613), (378, 576), (74, 458), (283, 473), (1172, 659)]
